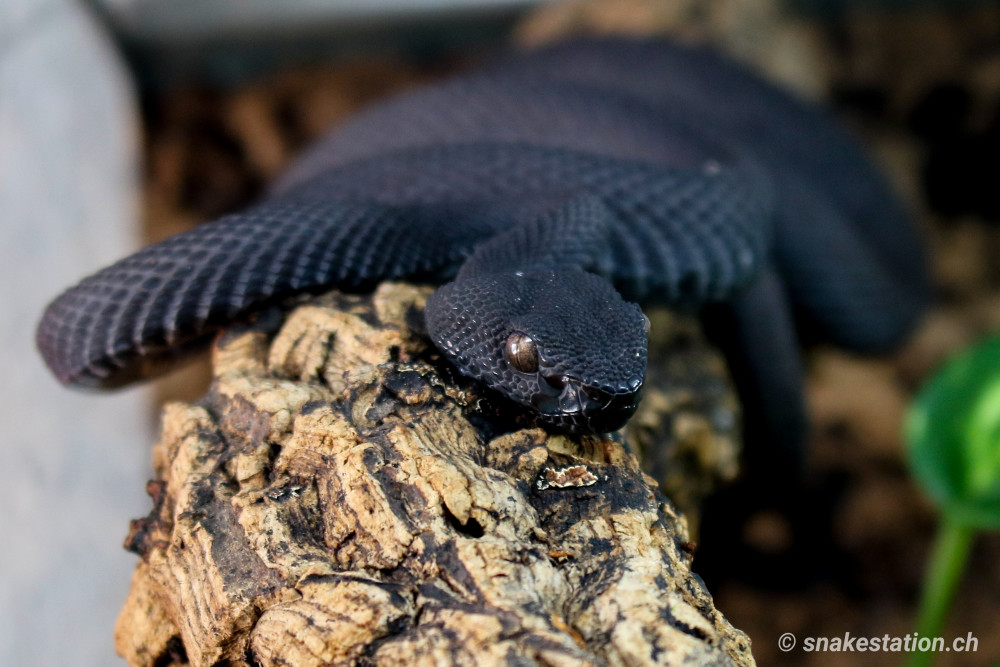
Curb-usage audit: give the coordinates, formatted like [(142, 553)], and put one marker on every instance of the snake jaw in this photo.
[(570, 405)]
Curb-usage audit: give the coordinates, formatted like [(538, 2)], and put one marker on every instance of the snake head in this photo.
[(562, 343)]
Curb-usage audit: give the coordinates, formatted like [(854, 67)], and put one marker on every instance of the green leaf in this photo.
[(953, 432)]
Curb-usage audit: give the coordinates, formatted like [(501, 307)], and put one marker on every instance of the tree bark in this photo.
[(341, 496)]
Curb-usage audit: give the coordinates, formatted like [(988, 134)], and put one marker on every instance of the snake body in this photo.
[(545, 194)]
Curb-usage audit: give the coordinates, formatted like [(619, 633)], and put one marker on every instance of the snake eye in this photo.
[(645, 323), (522, 353)]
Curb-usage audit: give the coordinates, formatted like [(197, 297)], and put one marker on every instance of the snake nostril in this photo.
[(557, 381), (598, 399)]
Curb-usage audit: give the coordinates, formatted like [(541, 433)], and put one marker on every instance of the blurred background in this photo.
[(124, 121)]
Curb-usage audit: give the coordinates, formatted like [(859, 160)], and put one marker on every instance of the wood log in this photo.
[(341, 496)]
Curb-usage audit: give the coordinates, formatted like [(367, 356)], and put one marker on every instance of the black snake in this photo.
[(544, 193)]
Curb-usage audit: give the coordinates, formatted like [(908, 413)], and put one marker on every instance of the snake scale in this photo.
[(547, 194)]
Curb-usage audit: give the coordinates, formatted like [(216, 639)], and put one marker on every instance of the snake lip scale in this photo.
[(546, 195), (603, 412)]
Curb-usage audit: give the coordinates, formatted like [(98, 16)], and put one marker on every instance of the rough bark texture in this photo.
[(339, 496)]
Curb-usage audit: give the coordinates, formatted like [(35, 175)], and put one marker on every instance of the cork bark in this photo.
[(341, 496)]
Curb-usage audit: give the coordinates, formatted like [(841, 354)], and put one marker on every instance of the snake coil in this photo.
[(544, 194)]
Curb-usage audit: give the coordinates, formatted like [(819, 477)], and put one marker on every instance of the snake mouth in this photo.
[(568, 403)]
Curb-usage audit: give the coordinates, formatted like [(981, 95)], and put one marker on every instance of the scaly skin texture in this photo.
[(541, 191)]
